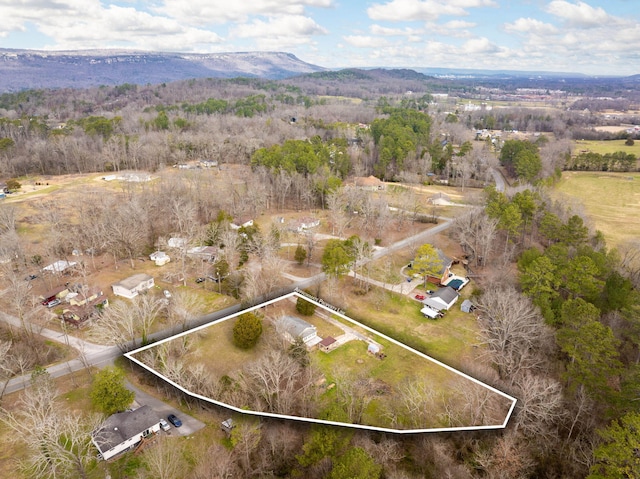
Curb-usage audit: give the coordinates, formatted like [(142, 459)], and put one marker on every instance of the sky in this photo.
[(596, 37)]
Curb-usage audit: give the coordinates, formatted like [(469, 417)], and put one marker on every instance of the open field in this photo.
[(611, 200), (604, 147)]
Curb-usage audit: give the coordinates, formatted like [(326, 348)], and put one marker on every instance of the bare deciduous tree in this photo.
[(514, 331)]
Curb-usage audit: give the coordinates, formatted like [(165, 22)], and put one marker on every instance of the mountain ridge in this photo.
[(32, 69)]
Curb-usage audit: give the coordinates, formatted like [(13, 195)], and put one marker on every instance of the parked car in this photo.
[(167, 293), (429, 291), (52, 303), (420, 297), (200, 280), (164, 425), (173, 419)]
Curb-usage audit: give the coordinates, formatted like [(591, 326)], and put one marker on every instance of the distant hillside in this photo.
[(28, 69)]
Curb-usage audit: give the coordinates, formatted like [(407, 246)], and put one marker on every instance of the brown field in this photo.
[(611, 201)]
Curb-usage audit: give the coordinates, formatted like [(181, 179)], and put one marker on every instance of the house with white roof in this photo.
[(131, 286)]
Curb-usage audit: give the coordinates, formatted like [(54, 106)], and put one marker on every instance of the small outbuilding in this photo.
[(160, 258), (327, 344), (467, 306)]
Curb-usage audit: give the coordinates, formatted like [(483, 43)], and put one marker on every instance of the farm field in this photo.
[(611, 201), (604, 147)]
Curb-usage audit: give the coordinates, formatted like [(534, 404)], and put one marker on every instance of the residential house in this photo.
[(78, 314), (59, 292), (59, 266), (131, 286), (370, 183), (442, 299), (208, 163), (243, 222), (444, 271), (176, 242), (293, 328), (84, 295), (303, 224), (125, 430), (204, 253), (160, 258)]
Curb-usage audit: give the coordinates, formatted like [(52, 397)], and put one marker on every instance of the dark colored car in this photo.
[(200, 280), (173, 419)]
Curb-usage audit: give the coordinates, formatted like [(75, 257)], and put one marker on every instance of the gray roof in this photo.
[(133, 281), (446, 262), (124, 425), (446, 294), (296, 327)]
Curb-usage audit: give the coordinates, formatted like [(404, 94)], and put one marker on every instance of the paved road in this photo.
[(91, 354), (499, 179)]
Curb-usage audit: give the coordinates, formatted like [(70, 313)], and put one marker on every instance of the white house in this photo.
[(441, 299), (160, 257), (59, 266), (124, 430), (131, 286), (204, 253), (238, 223), (293, 328), (304, 224), (176, 242)]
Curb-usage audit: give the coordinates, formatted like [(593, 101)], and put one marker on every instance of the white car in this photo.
[(167, 293), (164, 425)]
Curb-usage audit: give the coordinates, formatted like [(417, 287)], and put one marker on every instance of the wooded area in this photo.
[(556, 306)]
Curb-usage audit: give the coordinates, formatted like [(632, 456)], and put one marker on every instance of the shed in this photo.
[(327, 344), (467, 306), (373, 348)]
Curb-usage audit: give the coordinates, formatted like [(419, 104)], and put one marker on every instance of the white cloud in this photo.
[(74, 24), (579, 14), (365, 41), (390, 32), (423, 10), (290, 25), (530, 25), (208, 12), (478, 45)]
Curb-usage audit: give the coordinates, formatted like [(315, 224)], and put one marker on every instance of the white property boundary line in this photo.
[(513, 400)]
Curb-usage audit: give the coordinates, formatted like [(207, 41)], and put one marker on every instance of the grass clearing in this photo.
[(606, 146), (611, 200)]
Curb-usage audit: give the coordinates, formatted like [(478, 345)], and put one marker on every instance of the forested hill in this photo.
[(31, 69)]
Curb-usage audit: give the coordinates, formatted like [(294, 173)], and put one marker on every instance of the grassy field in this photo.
[(611, 200), (603, 147)]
